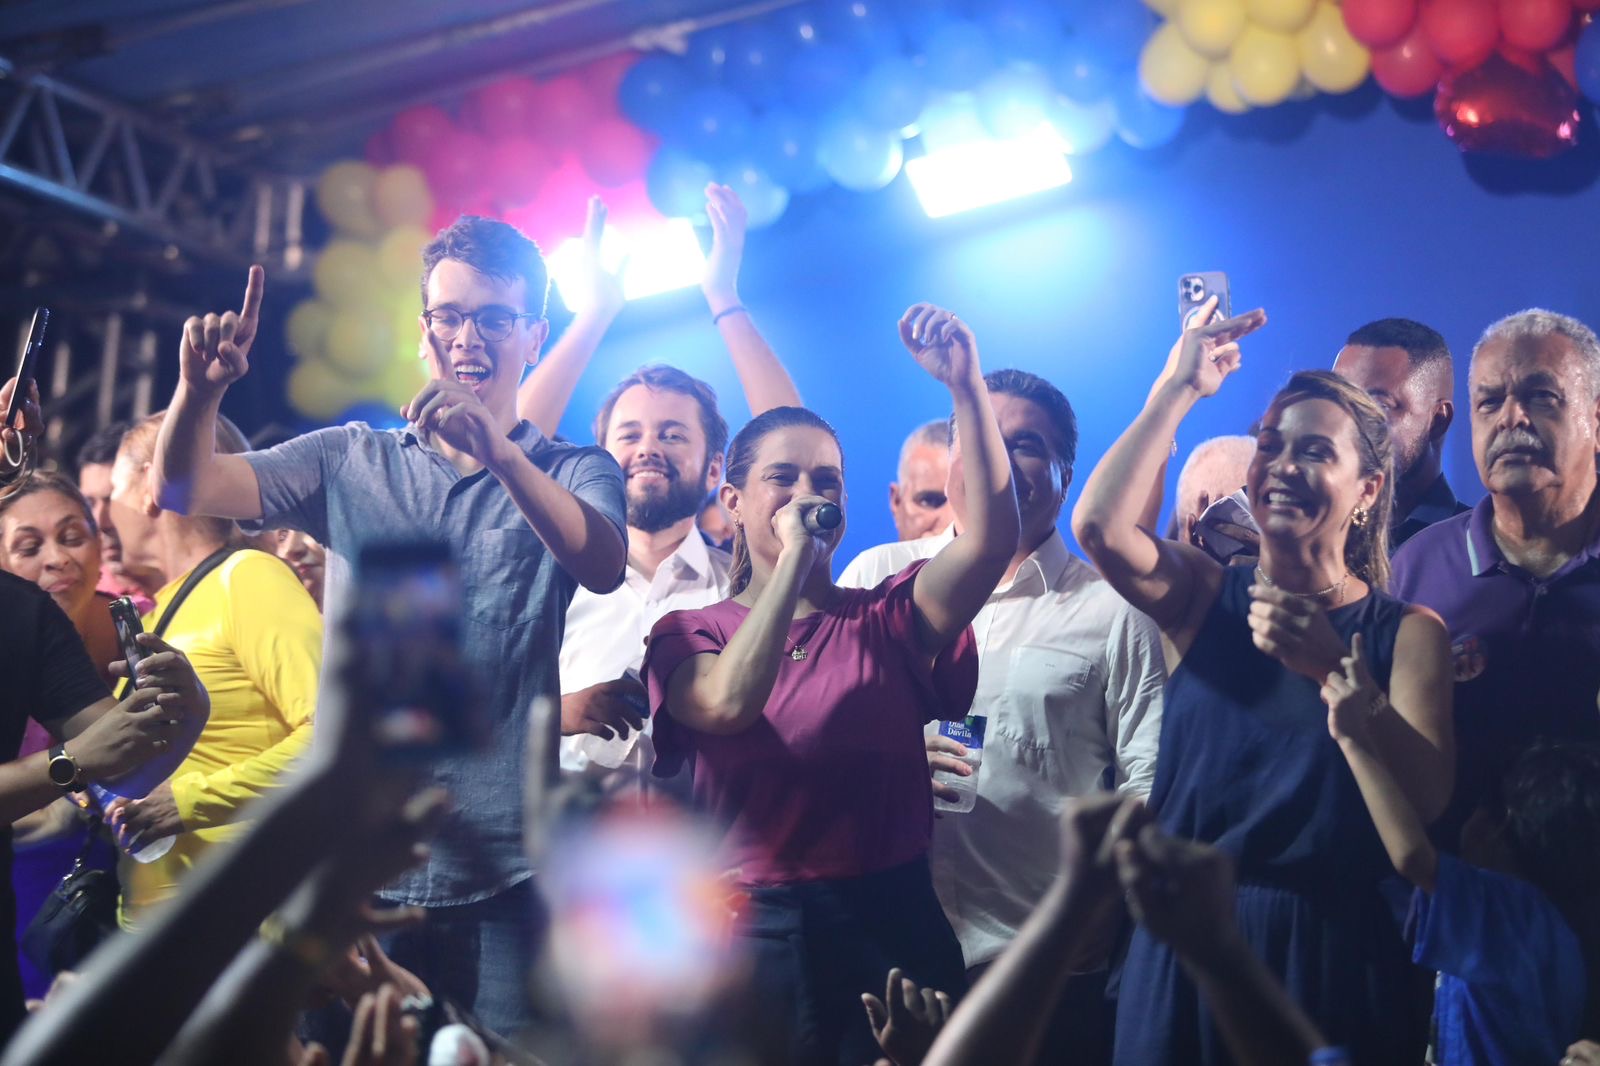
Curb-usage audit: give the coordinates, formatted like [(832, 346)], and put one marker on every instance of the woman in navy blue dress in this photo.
[(1246, 761)]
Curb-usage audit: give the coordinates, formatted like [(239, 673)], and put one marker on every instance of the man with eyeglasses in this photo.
[(528, 519)]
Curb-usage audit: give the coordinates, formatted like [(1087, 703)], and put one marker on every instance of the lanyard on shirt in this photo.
[(197, 575)]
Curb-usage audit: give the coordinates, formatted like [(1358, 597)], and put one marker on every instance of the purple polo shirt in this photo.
[(1526, 650)]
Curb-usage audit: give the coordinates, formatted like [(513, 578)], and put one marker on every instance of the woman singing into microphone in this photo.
[(800, 707)]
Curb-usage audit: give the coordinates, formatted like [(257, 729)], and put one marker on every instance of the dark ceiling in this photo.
[(292, 84)]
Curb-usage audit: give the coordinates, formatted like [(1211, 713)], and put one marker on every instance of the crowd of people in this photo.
[(1312, 777)]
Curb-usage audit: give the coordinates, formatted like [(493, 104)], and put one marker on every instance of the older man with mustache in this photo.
[(1517, 578)]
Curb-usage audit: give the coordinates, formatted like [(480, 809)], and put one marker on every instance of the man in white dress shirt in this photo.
[(1070, 678), (663, 428)]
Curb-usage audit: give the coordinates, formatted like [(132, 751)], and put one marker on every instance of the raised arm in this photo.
[(1355, 707), (545, 393), (957, 582), (1159, 577), (766, 383), (726, 692), (1005, 1015), (187, 475)]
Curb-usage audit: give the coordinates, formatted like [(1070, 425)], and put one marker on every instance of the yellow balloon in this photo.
[(360, 344), (307, 328), (316, 390), (401, 197), (1211, 26), (1171, 71), (1333, 61), (346, 274), (1222, 93), (1265, 66), (402, 380), (1285, 16), (400, 260), (345, 198), (1164, 8)]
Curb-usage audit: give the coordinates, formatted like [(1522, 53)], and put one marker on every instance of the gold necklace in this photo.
[(1336, 588)]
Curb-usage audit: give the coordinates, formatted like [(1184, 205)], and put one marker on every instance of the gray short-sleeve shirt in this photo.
[(351, 485)]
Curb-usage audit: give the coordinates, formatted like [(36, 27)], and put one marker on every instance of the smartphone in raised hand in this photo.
[(27, 366), (1195, 289), (125, 619), (412, 686)]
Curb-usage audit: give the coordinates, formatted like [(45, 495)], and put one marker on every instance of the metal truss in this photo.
[(74, 149)]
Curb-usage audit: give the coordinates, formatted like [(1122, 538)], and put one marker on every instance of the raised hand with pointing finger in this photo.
[(216, 348)]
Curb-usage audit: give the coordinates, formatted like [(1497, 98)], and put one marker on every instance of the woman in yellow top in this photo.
[(254, 636)]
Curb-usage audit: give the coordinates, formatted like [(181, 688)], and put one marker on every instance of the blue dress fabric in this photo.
[(1246, 763)]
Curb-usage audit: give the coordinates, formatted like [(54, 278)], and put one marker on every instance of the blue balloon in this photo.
[(1143, 123), (893, 93), (715, 124), (959, 54), (869, 26), (756, 58), (764, 199), (650, 92), (377, 415), (1118, 31), (1025, 29), (798, 25), (1083, 128), (708, 52), (676, 183), (1013, 101), (857, 155), (785, 146), (821, 78), (1081, 72), (1588, 62)]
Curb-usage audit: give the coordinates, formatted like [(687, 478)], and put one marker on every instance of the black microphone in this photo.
[(823, 518)]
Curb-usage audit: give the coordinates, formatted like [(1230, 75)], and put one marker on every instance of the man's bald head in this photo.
[(1216, 468)]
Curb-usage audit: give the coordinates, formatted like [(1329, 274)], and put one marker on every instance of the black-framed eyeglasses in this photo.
[(492, 323)]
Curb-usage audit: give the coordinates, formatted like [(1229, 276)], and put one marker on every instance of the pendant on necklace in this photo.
[(799, 653)]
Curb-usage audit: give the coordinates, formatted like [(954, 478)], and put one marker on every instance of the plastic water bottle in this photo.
[(968, 732), (151, 851)]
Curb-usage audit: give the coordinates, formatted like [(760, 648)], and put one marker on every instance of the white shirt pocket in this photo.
[(1044, 698)]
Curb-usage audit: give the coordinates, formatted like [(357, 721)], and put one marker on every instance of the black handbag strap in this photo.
[(197, 575)]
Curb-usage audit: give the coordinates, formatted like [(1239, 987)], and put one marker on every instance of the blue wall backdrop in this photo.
[(1328, 214)]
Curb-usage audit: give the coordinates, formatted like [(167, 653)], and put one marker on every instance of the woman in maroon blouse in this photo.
[(801, 705)]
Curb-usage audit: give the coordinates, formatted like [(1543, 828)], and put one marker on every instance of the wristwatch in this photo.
[(64, 770)]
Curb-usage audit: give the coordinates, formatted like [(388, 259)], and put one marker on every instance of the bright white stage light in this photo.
[(961, 177), (661, 256)]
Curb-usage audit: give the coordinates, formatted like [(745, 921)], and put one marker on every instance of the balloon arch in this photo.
[(827, 93)]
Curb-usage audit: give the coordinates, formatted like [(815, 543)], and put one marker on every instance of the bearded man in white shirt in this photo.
[(1070, 678)]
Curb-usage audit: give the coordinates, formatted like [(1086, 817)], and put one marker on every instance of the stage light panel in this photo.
[(660, 256), (962, 177)]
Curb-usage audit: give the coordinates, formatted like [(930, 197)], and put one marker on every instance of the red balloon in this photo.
[(1535, 25), (1379, 23), (604, 76), (1462, 33), (558, 212), (629, 205), (445, 214), (1565, 60), (417, 133), (518, 168), (455, 168), (565, 109), (1409, 68), (615, 152), (504, 108), (1506, 109)]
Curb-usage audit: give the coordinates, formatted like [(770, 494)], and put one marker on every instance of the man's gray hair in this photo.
[(1536, 324), (935, 434)]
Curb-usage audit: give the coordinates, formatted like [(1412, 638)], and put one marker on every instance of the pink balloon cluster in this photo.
[(1503, 71), (530, 152)]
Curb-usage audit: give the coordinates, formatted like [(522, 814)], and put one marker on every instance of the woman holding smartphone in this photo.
[(800, 707), (1245, 760)]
